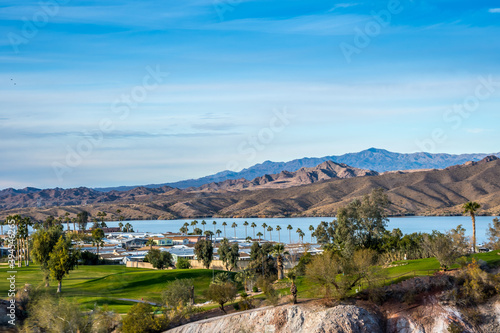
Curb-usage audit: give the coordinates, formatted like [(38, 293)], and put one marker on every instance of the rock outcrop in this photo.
[(292, 318)]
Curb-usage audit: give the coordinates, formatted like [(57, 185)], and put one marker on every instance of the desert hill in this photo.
[(432, 192), (325, 171)]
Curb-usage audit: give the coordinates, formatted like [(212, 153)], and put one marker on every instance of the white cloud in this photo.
[(477, 130), (494, 10)]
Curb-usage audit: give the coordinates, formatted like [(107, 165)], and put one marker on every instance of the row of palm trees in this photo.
[(266, 228)]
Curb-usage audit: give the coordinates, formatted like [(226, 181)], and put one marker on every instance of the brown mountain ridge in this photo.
[(434, 192)]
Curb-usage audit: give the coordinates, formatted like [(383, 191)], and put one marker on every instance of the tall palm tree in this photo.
[(218, 232), (270, 235), (67, 219), (74, 224), (214, 223), (259, 234), (471, 208), (289, 228), (253, 225), (209, 233), (224, 225), (279, 252), (264, 226), (234, 225), (193, 224), (203, 223), (120, 225), (300, 232), (246, 225), (311, 229), (278, 228), (2, 222)]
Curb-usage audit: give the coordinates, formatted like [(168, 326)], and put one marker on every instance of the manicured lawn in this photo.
[(89, 285)]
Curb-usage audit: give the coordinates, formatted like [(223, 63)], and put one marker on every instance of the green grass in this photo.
[(89, 285)]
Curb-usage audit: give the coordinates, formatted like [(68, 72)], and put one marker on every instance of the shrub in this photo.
[(255, 289), (183, 263)]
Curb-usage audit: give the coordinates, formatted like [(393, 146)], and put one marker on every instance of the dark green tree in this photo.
[(63, 259), (204, 251), (159, 259)]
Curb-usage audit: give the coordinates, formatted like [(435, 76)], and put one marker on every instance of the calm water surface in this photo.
[(406, 224)]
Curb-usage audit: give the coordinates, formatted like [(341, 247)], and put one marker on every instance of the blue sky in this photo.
[(346, 75)]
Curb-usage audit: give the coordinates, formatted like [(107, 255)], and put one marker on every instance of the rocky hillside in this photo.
[(428, 317), (325, 171), (434, 192), (379, 160)]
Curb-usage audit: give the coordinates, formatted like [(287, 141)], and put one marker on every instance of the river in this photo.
[(406, 224)]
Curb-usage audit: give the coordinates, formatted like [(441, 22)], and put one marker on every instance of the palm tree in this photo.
[(289, 228), (209, 233), (248, 239), (299, 231), (74, 224), (264, 226), (253, 225), (120, 225), (279, 251), (311, 229), (184, 230), (214, 223), (234, 225), (224, 225), (259, 234), (270, 229), (102, 215), (67, 219), (2, 222), (246, 225), (218, 232), (128, 227), (472, 207), (150, 242), (278, 228), (203, 223), (193, 224)]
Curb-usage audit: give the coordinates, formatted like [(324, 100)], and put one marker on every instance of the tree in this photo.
[(441, 246), (245, 224), (471, 208), (311, 229), (224, 225), (264, 226), (43, 241), (62, 260), (221, 293), (194, 224), (74, 224), (159, 259), (182, 263), (214, 223), (128, 227), (141, 319), (218, 232), (289, 228), (203, 223), (262, 263), (102, 215), (259, 234), (204, 251), (301, 234), (82, 219), (67, 219), (150, 243), (178, 292), (229, 254), (278, 228), (270, 229), (460, 242), (253, 225), (120, 225), (279, 251), (209, 233), (493, 234), (2, 222), (234, 226), (97, 237)]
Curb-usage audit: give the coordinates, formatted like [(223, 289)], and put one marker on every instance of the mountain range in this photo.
[(379, 160), (431, 192)]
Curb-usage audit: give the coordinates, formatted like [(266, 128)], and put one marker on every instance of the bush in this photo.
[(178, 292), (140, 319), (183, 263), (255, 289)]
